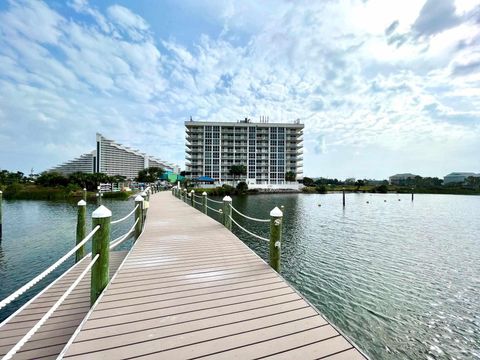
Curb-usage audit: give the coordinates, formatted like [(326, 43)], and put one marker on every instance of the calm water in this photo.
[(401, 279), (36, 234)]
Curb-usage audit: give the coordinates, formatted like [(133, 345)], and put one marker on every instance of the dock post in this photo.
[(185, 195), (412, 194), (227, 212), (81, 228), (100, 245), (204, 202), (85, 194), (1, 204), (139, 216), (343, 194), (192, 198), (276, 220)]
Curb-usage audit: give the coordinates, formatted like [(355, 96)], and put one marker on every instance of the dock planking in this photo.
[(190, 289), (51, 338)]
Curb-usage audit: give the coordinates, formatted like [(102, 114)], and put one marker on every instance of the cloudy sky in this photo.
[(382, 86)]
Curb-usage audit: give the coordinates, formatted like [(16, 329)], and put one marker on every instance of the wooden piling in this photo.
[(204, 202), (227, 212), (138, 215), (85, 194), (100, 245), (343, 197), (81, 228), (412, 194), (192, 198), (276, 220)]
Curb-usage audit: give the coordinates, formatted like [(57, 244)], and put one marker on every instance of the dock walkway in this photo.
[(189, 288)]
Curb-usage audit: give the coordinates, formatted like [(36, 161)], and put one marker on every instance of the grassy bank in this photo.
[(38, 192)]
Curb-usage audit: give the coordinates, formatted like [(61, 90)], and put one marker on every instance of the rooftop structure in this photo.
[(458, 177), (401, 179), (268, 150)]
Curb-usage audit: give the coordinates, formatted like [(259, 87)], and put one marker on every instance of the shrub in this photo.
[(242, 187)]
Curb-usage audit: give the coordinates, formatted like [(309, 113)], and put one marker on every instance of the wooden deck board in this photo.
[(190, 288), (51, 338)]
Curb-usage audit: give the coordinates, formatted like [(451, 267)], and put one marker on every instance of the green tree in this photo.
[(52, 179), (290, 176), (308, 181), (149, 175), (242, 187), (237, 170)]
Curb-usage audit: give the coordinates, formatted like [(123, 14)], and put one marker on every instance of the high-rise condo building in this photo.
[(112, 158), (268, 150)]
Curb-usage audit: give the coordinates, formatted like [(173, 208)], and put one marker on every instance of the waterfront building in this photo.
[(458, 177), (112, 158), (401, 179), (268, 150)]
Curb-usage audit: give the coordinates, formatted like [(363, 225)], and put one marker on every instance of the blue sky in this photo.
[(382, 86)]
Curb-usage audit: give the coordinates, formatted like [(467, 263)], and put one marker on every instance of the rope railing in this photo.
[(212, 209), (248, 231), (215, 201), (122, 238), (34, 281), (196, 202), (249, 217), (49, 313), (125, 217)]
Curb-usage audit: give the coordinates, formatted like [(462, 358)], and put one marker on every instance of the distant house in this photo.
[(458, 177), (401, 179)]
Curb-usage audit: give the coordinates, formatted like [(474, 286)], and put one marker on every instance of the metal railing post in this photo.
[(139, 216), (192, 198), (276, 219), (81, 229), (227, 212), (204, 202), (100, 245)]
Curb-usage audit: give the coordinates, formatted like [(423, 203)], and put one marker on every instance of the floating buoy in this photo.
[(384, 200), (319, 204), (399, 199), (368, 202)]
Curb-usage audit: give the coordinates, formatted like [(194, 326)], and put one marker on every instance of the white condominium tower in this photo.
[(268, 150), (112, 158)]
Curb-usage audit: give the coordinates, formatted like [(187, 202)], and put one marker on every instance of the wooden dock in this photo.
[(189, 288), (50, 339)]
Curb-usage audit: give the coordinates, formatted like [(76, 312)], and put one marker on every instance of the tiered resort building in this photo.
[(112, 158), (268, 150)]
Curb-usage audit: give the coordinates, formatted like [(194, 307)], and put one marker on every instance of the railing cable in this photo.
[(34, 281), (47, 315), (122, 238), (215, 201), (125, 217), (248, 217), (247, 231), (218, 211)]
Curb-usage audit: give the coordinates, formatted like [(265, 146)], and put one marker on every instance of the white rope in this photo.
[(32, 282), (215, 201), (196, 202), (248, 232), (248, 217), (125, 217), (197, 196), (218, 211), (122, 238), (45, 317)]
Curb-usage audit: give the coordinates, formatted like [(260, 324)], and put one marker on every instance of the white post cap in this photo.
[(1, 192), (192, 191), (101, 212), (139, 198), (227, 198), (81, 203), (84, 189), (204, 193), (276, 212), (143, 194), (184, 189)]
